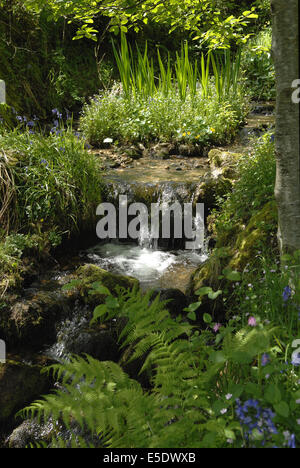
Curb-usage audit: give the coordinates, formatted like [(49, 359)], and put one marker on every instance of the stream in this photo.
[(157, 263)]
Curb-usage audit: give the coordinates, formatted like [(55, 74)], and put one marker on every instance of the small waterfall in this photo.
[(154, 259), (164, 195)]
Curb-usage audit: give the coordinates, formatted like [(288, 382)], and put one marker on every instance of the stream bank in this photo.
[(53, 322)]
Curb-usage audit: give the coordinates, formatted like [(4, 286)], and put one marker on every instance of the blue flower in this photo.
[(292, 441), (44, 161), (296, 360), (56, 113), (252, 416), (287, 292), (265, 359)]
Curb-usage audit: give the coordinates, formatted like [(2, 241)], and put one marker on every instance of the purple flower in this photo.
[(44, 161), (296, 359), (287, 292), (292, 441), (217, 327), (56, 113), (265, 359), (252, 321)]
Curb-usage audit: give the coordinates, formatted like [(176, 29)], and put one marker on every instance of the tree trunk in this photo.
[(285, 50)]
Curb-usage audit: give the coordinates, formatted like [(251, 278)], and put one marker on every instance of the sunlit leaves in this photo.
[(202, 18)]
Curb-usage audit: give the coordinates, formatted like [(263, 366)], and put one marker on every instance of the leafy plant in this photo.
[(205, 391), (257, 67)]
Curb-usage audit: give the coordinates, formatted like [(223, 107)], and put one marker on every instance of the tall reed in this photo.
[(185, 78)]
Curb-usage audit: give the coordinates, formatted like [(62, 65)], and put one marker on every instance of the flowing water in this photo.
[(152, 267), (155, 262)]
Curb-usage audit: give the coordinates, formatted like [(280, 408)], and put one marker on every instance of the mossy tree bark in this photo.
[(285, 50)]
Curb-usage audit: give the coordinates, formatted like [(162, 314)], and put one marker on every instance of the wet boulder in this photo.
[(20, 384), (97, 342), (219, 158), (177, 300), (89, 274), (30, 322)]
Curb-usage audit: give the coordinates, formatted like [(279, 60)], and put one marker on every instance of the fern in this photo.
[(177, 411)]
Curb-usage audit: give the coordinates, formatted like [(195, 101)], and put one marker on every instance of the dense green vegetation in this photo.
[(50, 187), (229, 386), (181, 104), (225, 373)]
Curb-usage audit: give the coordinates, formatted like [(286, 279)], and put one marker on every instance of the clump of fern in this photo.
[(189, 379)]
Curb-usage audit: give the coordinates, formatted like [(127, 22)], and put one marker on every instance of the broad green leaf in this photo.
[(272, 394), (207, 318), (282, 408), (213, 295), (232, 275), (203, 291), (192, 316)]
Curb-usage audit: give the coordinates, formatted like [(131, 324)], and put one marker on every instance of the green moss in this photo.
[(7, 116), (19, 384), (211, 189), (90, 274), (255, 236), (208, 273), (241, 251), (219, 158)]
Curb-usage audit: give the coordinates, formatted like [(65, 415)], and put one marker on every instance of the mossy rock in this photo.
[(30, 323), (255, 236), (241, 251), (219, 158), (90, 274), (211, 188), (7, 116), (208, 273), (20, 384)]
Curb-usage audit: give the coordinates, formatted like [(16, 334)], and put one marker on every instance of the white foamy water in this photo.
[(145, 264)]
